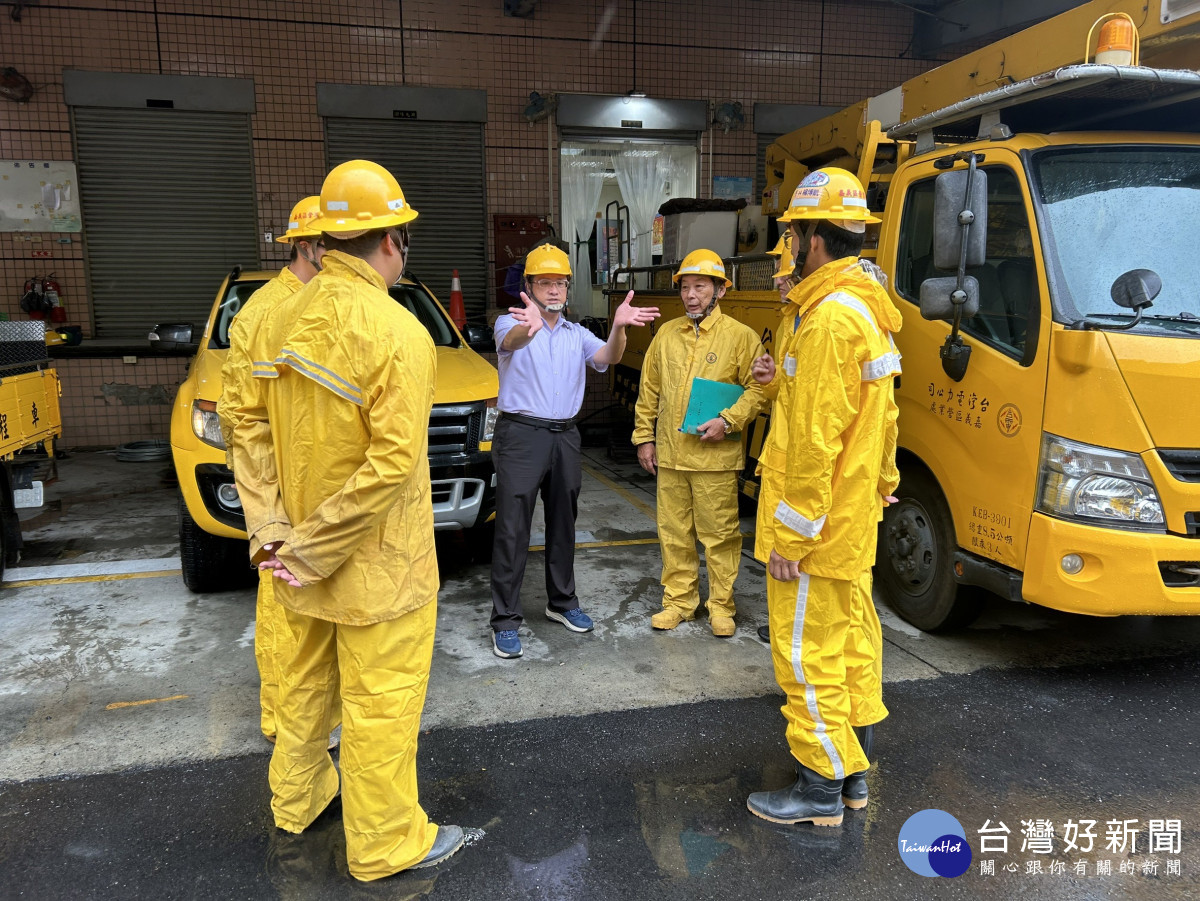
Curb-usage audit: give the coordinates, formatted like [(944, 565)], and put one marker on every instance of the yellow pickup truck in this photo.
[(212, 530), (29, 417)]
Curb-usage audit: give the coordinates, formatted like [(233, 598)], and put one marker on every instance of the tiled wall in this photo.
[(107, 401), (830, 52)]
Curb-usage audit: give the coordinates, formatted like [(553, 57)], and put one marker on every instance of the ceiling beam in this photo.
[(973, 21)]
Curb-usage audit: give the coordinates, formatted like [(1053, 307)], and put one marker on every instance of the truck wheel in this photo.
[(915, 558), (211, 562)]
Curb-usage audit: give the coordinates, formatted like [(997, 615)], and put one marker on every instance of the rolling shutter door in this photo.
[(168, 202), (440, 167)]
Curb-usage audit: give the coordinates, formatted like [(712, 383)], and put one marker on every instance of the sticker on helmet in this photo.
[(815, 179)]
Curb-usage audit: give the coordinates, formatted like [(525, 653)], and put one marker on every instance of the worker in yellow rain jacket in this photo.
[(348, 401), (697, 473), (824, 483), (305, 263)]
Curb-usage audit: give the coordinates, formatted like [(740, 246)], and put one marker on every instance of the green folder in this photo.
[(707, 400)]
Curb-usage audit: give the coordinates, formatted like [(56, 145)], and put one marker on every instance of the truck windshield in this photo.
[(413, 297), (1107, 210)]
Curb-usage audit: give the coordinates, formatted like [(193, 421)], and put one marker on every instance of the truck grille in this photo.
[(1183, 464), (455, 428)]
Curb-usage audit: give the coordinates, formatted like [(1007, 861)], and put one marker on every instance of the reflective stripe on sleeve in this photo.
[(798, 523), (321, 376)]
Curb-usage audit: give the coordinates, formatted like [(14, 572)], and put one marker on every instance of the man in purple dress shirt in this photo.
[(542, 356)]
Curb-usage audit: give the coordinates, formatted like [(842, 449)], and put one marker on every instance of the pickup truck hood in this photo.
[(462, 376), (208, 374), (1162, 375)]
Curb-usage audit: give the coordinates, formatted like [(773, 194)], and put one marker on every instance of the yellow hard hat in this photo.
[(546, 259), (300, 223), (783, 250), (832, 194), (702, 262), (359, 196)]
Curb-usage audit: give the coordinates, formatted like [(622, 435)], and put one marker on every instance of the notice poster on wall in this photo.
[(39, 196), (733, 187)]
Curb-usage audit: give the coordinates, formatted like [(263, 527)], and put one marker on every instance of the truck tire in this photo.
[(211, 562), (915, 558)]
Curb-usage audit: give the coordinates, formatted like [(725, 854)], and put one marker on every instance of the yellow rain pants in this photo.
[(698, 505), (272, 649), (864, 656), (810, 629), (384, 671)]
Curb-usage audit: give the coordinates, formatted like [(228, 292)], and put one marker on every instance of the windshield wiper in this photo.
[(1189, 318), (1185, 316)]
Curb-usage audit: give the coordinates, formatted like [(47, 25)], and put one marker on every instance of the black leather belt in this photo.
[(553, 425)]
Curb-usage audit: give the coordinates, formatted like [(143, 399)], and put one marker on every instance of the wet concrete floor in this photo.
[(598, 766)]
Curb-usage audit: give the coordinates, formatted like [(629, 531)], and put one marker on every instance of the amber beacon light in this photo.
[(1118, 43)]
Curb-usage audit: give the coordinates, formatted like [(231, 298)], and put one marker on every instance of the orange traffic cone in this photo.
[(458, 312)]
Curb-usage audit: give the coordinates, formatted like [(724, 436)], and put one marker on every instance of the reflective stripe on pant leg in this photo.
[(302, 775), (385, 672), (267, 623), (864, 656), (809, 619), (677, 542), (719, 530)]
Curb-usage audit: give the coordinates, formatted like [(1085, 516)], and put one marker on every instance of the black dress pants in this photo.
[(530, 461)]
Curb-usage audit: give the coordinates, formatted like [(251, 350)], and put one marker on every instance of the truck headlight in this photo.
[(1097, 485), (205, 424), (489, 421)]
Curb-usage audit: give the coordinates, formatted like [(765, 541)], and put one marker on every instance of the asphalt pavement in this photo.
[(650, 804), (613, 765)]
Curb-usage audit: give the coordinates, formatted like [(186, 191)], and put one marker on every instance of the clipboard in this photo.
[(706, 401)]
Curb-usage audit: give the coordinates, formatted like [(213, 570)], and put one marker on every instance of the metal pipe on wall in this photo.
[(550, 171)]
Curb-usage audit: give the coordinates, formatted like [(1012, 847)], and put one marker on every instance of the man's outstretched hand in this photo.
[(627, 314), (529, 315)]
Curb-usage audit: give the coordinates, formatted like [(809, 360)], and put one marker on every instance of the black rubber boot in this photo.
[(764, 632), (813, 799), (854, 788)]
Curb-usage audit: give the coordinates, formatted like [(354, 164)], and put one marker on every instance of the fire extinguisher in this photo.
[(33, 301), (53, 299)]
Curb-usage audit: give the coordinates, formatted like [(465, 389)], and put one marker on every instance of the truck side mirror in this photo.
[(939, 297), (172, 336), (1136, 289), (952, 209), (479, 338)]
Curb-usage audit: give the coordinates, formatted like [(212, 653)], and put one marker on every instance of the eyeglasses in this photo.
[(545, 284)]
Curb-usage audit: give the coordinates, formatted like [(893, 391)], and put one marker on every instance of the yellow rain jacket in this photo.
[(270, 637), (354, 476), (722, 350), (235, 372), (243, 408), (834, 423)]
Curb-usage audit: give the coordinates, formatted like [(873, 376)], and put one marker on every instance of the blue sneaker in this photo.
[(506, 643), (575, 620)]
